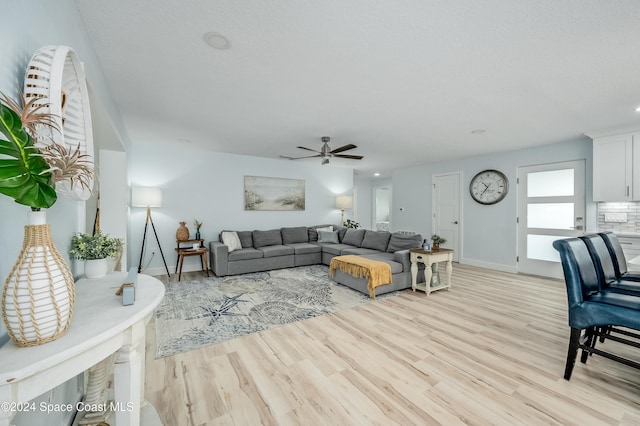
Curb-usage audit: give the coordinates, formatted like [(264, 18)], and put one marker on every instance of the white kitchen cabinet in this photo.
[(616, 167)]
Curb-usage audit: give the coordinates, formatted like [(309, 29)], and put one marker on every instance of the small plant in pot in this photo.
[(351, 224), (94, 250), (437, 240)]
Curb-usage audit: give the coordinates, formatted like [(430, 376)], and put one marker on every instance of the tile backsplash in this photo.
[(611, 217)]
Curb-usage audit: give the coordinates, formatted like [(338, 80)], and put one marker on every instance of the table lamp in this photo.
[(343, 202)]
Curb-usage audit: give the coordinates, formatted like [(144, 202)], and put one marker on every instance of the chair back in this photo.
[(580, 274), (602, 257), (613, 244)]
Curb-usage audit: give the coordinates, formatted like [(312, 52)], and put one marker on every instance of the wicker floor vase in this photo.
[(38, 295)]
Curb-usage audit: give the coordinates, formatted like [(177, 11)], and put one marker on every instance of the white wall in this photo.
[(489, 232), (209, 186)]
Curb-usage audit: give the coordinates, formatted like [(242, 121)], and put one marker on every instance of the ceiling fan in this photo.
[(326, 152)]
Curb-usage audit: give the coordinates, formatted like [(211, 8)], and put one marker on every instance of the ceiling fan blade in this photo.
[(352, 157), (343, 148), (308, 149), (298, 158)]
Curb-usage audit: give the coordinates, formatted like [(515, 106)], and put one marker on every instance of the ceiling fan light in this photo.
[(325, 161)]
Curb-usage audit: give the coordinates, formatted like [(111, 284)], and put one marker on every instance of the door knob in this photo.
[(455, 222)]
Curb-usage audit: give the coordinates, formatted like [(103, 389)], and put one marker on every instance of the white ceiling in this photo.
[(407, 81)]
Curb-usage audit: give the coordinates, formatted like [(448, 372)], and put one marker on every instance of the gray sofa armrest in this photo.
[(402, 256), (219, 254)]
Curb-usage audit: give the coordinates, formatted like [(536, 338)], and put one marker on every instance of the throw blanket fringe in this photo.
[(377, 273)]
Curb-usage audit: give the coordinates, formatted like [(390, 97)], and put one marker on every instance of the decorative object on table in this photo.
[(38, 295), (55, 77), (144, 196), (204, 311), (426, 245), (128, 288), (197, 224), (343, 202), (94, 250), (352, 224), (182, 234), (437, 240), (489, 187), (265, 193)]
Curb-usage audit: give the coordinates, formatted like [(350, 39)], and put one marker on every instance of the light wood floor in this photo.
[(489, 351)]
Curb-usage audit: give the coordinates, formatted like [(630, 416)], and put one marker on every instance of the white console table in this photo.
[(100, 327)]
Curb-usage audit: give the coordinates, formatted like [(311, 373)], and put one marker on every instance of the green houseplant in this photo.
[(94, 250), (437, 240)]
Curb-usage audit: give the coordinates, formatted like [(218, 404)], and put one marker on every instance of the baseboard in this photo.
[(172, 268), (489, 265)]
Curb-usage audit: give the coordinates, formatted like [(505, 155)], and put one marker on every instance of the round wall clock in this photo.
[(55, 75), (489, 187)]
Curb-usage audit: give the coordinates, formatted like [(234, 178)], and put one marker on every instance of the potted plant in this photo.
[(94, 250), (29, 171), (437, 240), (351, 224), (197, 224)]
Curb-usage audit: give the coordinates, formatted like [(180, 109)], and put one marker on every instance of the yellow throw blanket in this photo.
[(378, 273)]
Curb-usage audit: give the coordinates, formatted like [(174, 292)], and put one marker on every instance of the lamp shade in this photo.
[(146, 196), (344, 202)]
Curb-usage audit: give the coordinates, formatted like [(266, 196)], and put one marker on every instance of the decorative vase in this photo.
[(197, 234), (95, 268), (182, 234), (38, 295), (436, 247)]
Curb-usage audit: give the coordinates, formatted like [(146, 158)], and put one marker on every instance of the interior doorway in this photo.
[(446, 201), (381, 207), (551, 206)]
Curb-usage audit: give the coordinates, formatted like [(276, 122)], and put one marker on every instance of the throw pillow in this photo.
[(376, 240), (353, 237), (328, 237), (231, 240), (313, 232), (403, 242)]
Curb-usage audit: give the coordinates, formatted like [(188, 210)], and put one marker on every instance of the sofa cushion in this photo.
[(245, 254), (305, 248), (377, 240), (231, 240), (267, 238), (328, 237), (400, 241), (295, 235), (341, 231), (353, 237), (359, 251), (335, 248), (246, 238), (274, 251), (396, 267)]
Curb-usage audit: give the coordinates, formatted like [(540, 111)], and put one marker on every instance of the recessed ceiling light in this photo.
[(376, 174), (217, 41), (638, 109), (478, 131)]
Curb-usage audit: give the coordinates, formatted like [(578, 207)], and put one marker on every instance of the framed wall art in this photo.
[(276, 194)]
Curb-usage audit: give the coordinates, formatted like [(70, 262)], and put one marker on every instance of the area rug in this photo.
[(196, 313)]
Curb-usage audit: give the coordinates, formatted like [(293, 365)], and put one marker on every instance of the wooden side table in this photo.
[(428, 258), (185, 249)]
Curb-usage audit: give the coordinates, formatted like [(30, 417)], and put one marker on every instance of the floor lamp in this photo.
[(343, 202), (148, 197)]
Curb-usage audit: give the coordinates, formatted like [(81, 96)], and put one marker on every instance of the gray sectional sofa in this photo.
[(299, 246)]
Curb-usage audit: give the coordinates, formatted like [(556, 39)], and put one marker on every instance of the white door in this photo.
[(551, 206), (446, 211)]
